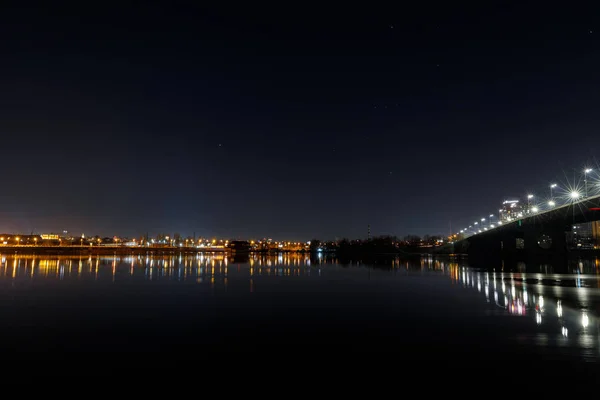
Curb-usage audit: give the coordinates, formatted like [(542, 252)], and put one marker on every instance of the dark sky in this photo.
[(288, 123)]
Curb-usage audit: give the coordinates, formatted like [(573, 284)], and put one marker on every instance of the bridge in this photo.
[(538, 230), (537, 234)]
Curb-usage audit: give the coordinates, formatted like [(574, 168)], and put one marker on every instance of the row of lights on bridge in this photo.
[(573, 196)]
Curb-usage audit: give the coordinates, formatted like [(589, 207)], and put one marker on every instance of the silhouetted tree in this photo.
[(314, 244)]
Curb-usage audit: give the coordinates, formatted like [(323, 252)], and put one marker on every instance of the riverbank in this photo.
[(104, 250)]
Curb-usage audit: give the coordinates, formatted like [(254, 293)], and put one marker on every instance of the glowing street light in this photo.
[(534, 209), (552, 186), (551, 203), (575, 194), (529, 197)]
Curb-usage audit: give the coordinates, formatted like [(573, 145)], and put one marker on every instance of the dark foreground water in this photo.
[(138, 312)]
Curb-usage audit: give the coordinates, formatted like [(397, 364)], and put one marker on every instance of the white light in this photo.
[(475, 223), (482, 219), (588, 170), (499, 222), (551, 203), (534, 209), (530, 196), (574, 194), (553, 185), (493, 226), (491, 215), (585, 321)]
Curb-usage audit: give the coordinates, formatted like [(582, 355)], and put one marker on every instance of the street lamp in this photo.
[(551, 203), (529, 197), (552, 186), (575, 195), (585, 172)]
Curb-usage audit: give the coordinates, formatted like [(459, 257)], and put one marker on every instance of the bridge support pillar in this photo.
[(543, 240)]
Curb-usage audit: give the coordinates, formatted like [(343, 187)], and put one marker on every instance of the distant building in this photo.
[(511, 210), (239, 246), (584, 236)]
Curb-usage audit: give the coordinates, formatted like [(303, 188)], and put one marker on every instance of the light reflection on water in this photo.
[(562, 306)]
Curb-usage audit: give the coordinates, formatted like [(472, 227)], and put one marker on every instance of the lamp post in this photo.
[(552, 186), (585, 172), (529, 197)]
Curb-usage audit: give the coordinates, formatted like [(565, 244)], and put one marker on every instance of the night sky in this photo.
[(288, 123)]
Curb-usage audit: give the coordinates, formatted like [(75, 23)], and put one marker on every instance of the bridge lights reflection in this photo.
[(585, 321), (559, 310)]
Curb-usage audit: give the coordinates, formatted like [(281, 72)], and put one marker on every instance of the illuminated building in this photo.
[(511, 210), (585, 236)]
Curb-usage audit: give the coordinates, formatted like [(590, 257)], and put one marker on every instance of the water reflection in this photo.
[(199, 268), (562, 307)]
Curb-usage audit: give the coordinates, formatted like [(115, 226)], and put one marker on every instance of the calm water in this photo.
[(136, 309)]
